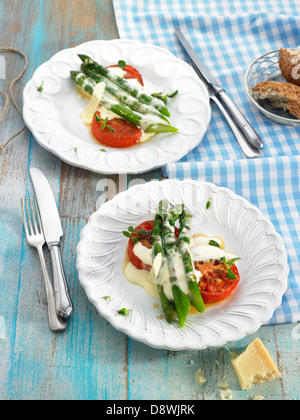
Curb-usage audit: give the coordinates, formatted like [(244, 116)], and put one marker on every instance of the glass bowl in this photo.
[(266, 68)]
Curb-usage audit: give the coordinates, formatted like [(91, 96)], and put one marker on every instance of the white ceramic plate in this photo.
[(53, 116), (247, 233)]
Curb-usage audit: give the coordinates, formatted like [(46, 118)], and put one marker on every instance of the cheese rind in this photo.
[(255, 365)]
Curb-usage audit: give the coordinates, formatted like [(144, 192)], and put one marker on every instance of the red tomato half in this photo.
[(131, 73), (117, 133), (214, 284), (145, 240)]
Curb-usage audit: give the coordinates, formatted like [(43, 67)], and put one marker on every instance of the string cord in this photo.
[(6, 103)]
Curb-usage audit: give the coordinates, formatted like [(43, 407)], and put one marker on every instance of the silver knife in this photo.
[(247, 148), (53, 233), (243, 124)]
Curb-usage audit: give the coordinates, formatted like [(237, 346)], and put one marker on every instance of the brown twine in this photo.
[(6, 103)]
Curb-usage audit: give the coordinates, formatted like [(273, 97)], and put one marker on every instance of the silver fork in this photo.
[(35, 238)]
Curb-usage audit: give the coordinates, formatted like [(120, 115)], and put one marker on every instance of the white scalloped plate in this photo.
[(53, 116), (247, 233)]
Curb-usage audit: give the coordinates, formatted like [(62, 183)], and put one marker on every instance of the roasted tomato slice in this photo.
[(116, 132), (131, 73), (146, 240), (214, 284)]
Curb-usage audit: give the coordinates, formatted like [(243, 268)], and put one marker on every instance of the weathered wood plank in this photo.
[(35, 360)]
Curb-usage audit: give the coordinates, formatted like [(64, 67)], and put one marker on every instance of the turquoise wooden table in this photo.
[(91, 360)]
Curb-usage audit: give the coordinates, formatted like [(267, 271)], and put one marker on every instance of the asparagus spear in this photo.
[(121, 95), (183, 247), (123, 84), (157, 247), (149, 122), (181, 299)]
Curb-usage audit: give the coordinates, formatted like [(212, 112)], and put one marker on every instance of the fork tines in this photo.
[(31, 217)]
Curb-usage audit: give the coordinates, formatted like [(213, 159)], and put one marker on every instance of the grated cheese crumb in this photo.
[(199, 377), (225, 394), (258, 398)]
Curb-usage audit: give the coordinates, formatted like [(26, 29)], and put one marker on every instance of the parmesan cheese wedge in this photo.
[(88, 113), (255, 365), (155, 268)]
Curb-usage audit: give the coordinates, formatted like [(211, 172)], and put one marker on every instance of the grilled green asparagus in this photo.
[(183, 248), (147, 122), (157, 248), (123, 84), (177, 278), (121, 95)]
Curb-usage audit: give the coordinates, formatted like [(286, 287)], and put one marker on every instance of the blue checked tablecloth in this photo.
[(228, 35)]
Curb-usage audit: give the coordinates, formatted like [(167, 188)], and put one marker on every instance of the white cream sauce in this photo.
[(200, 251), (141, 278), (207, 252)]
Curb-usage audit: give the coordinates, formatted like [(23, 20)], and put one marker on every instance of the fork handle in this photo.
[(64, 305), (242, 122), (248, 150), (56, 324)]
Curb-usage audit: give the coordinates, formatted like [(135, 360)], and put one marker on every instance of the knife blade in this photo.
[(248, 150), (212, 84), (53, 233)]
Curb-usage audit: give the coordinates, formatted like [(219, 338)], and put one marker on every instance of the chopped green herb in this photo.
[(41, 87), (229, 263), (171, 95), (97, 118), (121, 64), (127, 234), (102, 150), (214, 243), (230, 274), (208, 204), (124, 311), (163, 97), (106, 297), (110, 128), (234, 260), (75, 149), (134, 234), (104, 123)]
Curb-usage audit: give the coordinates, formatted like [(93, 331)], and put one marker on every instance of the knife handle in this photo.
[(243, 124), (248, 150), (56, 323), (64, 305)]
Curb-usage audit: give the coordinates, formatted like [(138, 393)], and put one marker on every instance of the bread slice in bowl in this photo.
[(289, 63), (281, 95)]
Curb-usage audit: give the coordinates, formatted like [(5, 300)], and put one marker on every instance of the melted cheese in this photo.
[(141, 278)]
